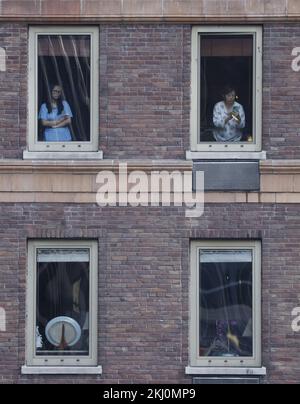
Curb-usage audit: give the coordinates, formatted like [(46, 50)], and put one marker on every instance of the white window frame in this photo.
[(2, 59), (60, 361), (63, 147), (216, 147), (194, 326)]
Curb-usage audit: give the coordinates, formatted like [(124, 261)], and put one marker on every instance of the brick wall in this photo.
[(145, 88), (143, 254), (144, 93), (281, 133), (143, 283), (13, 91)]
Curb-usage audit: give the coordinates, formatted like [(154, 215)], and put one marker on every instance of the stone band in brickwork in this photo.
[(75, 182), (149, 10)]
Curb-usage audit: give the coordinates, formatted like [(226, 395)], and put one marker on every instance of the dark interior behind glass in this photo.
[(66, 60), (62, 290), (226, 60), (226, 327)]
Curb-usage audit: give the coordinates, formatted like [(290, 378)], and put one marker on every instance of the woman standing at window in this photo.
[(55, 116), (229, 118)]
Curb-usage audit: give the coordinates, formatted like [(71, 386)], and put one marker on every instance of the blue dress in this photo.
[(56, 134)]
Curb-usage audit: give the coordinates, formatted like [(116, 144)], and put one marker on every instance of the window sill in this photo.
[(56, 370), (191, 155), (190, 370), (27, 155)]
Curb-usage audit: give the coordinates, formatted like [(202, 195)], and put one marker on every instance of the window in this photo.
[(225, 327), (226, 89), (62, 304), (63, 89)]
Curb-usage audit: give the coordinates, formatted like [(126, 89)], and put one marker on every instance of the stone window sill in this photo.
[(207, 371), (190, 155), (66, 370), (27, 155)]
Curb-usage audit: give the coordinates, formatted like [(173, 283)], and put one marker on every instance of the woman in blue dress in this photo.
[(55, 117)]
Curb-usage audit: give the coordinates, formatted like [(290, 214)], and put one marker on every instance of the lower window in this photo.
[(225, 325), (62, 303)]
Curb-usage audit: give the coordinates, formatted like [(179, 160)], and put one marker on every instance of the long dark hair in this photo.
[(60, 105)]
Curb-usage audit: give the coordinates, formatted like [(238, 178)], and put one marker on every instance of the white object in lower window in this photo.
[(63, 331)]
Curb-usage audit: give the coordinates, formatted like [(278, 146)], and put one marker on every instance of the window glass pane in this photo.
[(226, 328), (63, 255), (64, 70), (226, 88), (62, 309)]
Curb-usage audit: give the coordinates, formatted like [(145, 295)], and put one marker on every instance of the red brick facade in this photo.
[(280, 92), (144, 252), (13, 98), (143, 283), (144, 91)]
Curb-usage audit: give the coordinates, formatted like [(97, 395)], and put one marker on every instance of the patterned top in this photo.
[(231, 131)]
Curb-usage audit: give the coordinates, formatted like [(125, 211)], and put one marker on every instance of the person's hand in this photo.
[(53, 124), (236, 116), (229, 117)]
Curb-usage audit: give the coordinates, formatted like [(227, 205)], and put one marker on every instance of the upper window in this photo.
[(62, 303), (63, 89), (225, 304), (226, 89)]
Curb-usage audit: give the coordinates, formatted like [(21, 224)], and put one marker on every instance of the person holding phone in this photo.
[(229, 118), (55, 117)]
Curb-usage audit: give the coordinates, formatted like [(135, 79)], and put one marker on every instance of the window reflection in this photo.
[(64, 69), (62, 317), (226, 304)]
